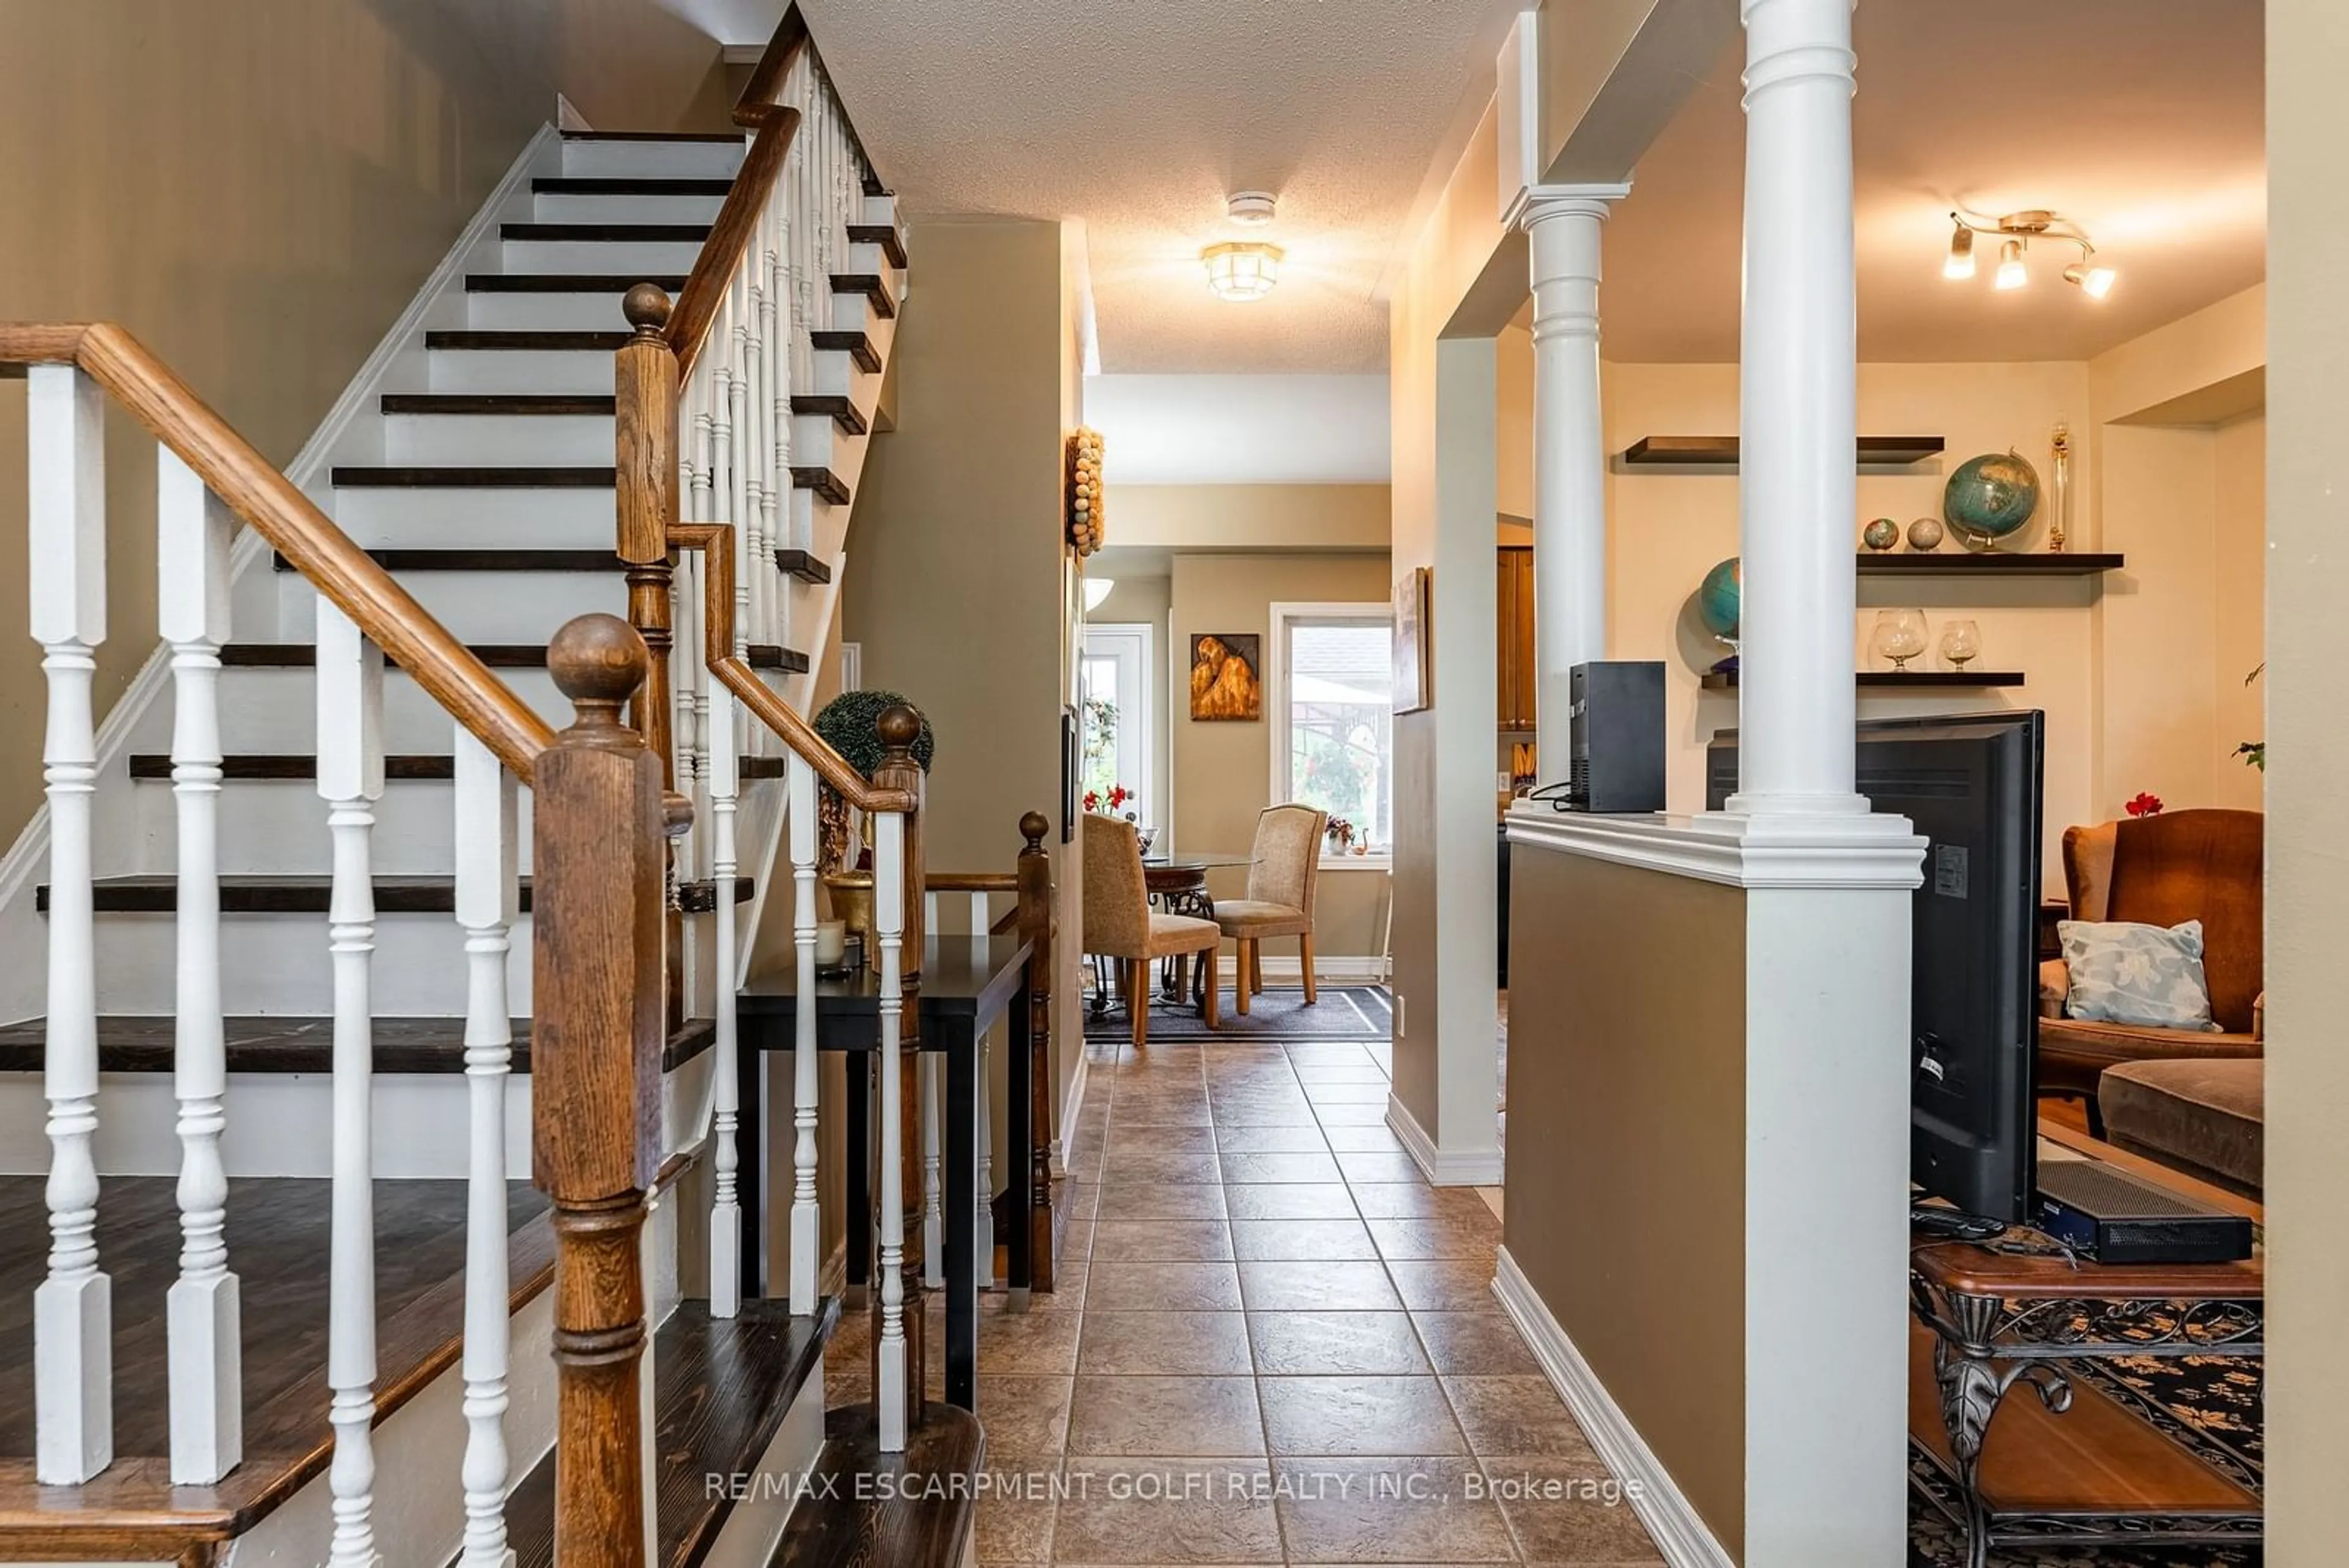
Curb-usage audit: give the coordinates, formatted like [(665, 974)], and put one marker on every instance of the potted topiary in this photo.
[(850, 724)]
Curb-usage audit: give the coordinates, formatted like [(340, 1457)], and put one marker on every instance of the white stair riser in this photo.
[(525, 440), (518, 371), (817, 442), (495, 606), (278, 963), (415, 518), (278, 827), (880, 209), (624, 258), (632, 207), (854, 312), (865, 256), (275, 711), (652, 160), (279, 1124), (836, 375), (491, 310)]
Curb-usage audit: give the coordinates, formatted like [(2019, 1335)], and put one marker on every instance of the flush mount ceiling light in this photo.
[(2015, 232), (1242, 269)]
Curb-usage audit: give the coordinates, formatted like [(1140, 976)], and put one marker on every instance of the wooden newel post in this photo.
[(598, 972), (644, 385), (899, 727), (1036, 927)]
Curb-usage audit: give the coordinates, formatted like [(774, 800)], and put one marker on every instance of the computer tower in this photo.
[(1615, 736)]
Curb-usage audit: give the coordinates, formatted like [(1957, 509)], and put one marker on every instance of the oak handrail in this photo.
[(715, 543), (275, 508)]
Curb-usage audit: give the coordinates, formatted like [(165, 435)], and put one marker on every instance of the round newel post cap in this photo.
[(646, 307), (597, 662), (1033, 826), (899, 727)]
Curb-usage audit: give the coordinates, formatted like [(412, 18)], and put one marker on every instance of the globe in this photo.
[(1717, 599), (1991, 496)]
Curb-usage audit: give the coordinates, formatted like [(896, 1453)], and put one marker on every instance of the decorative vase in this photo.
[(1925, 533), (1899, 636), (1880, 534), (851, 902), (1961, 642)]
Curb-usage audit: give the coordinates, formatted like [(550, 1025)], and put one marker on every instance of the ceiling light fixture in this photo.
[(1242, 269), (1252, 208), (2015, 232)]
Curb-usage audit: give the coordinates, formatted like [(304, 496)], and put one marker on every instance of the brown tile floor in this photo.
[(1274, 1343)]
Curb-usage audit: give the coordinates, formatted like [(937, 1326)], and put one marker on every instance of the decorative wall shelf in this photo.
[(1721, 452), (1984, 563), (1915, 679)]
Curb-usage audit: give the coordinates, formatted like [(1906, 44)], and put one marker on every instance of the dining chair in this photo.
[(1119, 923), (1279, 902)]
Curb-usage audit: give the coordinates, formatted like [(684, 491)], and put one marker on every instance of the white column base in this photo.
[(207, 1379), (806, 1240), (726, 1259), (73, 1341), (889, 1389)]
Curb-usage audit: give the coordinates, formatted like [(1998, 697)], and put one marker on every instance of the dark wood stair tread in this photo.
[(804, 565), (293, 895), (517, 341), (872, 285), (474, 477), (857, 346), (886, 235), (279, 1043), (842, 411), (293, 765), (918, 1518), (822, 480), (612, 234), (588, 403), (496, 655), (627, 185), (612, 283), (277, 1235), (722, 1389)]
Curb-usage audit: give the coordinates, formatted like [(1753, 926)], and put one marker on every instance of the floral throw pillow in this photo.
[(2123, 972)]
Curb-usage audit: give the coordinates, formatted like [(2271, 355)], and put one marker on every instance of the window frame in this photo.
[(1281, 784), (1134, 638)]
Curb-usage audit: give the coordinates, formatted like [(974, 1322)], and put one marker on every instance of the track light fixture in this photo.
[(2015, 232)]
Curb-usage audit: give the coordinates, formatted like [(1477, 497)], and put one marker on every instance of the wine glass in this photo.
[(1961, 642), (1899, 636)]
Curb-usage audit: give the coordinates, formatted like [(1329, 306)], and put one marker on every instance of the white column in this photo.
[(1797, 425), (1562, 226)]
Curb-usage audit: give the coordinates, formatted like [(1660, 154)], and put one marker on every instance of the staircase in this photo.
[(380, 1019)]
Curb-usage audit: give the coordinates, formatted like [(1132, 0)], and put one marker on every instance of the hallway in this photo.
[(1281, 1324)]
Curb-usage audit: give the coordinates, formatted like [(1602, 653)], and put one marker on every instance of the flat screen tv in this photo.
[(1972, 785)]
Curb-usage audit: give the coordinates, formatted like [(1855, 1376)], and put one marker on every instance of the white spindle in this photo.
[(488, 905), (984, 1220), (889, 928), (934, 1229), (701, 438), (72, 1379), (726, 1091), (207, 1397), (350, 780), (756, 509), (801, 811)]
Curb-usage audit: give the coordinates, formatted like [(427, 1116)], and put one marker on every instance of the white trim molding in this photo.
[(1480, 1169), (1071, 1104), (1850, 850), (1679, 1532), (1329, 969)]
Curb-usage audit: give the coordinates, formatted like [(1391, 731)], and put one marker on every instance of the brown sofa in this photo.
[(2160, 871)]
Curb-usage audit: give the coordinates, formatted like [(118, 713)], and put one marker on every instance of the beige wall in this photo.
[(1627, 1148), (2308, 895), (1248, 517), (257, 188), (2239, 584), (1223, 770)]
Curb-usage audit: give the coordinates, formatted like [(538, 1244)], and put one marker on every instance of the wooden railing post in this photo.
[(1036, 928), (644, 385), (599, 849), (899, 727)]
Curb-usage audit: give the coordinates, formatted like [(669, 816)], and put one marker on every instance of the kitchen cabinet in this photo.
[(1515, 654)]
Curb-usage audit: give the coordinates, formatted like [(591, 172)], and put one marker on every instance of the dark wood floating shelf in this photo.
[(1983, 564), (1916, 680), (1722, 451)]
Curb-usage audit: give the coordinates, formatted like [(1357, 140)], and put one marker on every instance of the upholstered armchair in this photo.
[(1121, 924), (2159, 871), (1279, 903)]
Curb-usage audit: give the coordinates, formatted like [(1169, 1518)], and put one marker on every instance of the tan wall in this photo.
[(2240, 589), (257, 188), (1626, 1095), (1223, 770), (1248, 516), (2308, 897)]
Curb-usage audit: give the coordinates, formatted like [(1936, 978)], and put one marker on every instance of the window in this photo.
[(1113, 716), (1332, 700)]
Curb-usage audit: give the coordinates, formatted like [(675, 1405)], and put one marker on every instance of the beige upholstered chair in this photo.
[(1120, 922), (1279, 902)]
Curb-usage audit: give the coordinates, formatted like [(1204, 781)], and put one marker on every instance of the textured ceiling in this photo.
[(2140, 119), (1139, 116)]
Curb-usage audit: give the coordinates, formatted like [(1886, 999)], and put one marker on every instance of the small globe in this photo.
[(1718, 596), (1880, 534), (1992, 495)]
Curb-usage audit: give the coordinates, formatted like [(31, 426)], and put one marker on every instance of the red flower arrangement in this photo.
[(2143, 804), (1118, 795)]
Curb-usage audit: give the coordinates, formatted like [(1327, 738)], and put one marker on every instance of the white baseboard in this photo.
[(1363, 969), (1071, 1104), (1482, 1169), (1679, 1532)]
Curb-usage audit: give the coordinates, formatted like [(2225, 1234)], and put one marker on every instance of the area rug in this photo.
[(2209, 1403), (1343, 1012)]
